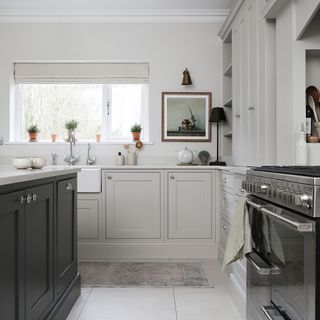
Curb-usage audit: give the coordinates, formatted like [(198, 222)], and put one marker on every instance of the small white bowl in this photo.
[(38, 163), (22, 163)]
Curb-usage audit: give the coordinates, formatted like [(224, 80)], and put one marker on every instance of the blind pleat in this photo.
[(81, 72)]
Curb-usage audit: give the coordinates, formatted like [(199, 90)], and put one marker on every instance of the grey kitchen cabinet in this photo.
[(189, 205), (66, 233), (11, 252), (38, 250), (34, 240), (133, 205)]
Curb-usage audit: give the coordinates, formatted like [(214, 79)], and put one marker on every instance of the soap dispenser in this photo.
[(301, 148), (120, 159)]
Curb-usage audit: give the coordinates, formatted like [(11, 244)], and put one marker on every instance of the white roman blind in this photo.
[(81, 72)]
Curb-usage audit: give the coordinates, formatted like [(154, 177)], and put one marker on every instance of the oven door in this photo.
[(287, 242)]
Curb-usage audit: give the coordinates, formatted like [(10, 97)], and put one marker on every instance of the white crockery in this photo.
[(22, 163), (185, 156), (38, 163)]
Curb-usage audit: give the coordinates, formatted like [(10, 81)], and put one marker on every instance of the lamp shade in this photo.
[(217, 114)]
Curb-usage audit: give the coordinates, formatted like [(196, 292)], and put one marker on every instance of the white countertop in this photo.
[(9, 174)]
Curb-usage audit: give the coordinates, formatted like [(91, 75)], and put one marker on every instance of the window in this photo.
[(106, 98)]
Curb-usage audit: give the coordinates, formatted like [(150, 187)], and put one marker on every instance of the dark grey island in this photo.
[(38, 243)]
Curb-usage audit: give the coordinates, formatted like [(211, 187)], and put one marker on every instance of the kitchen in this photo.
[(108, 69)]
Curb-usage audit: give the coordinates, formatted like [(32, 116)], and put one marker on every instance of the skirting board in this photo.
[(98, 252), (238, 295)]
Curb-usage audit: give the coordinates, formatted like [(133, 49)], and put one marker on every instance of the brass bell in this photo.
[(186, 80)]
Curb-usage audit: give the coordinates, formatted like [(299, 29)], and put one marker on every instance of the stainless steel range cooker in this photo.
[(283, 273)]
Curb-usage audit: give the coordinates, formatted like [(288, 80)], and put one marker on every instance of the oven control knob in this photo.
[(303, 200)]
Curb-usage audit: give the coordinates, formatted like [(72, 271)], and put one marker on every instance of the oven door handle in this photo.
[(299, 226), (271, 313), (261, 268), (253, 204)]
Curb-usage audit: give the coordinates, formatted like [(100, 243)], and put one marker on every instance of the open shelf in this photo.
[(228, 70), (228, 134), (228, 103)]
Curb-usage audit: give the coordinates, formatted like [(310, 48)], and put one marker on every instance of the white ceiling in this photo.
[(94, 5)]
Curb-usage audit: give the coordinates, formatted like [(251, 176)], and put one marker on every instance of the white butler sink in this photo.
[(89, 179)]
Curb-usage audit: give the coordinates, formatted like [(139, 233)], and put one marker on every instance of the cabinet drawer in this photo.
[(227, 180), (224, 233), (228, 206), (237, 183)]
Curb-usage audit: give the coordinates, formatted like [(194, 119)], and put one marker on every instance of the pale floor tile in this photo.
[(77, 308), (129, 304), (205, 304)]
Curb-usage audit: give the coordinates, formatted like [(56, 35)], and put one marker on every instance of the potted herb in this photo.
[(71, 126), (33, 131), (136, 131)]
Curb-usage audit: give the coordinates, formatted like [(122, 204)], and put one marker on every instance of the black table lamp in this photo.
[(217, 115)]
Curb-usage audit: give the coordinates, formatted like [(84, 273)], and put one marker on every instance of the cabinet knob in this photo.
[(69, 186), (225, 180), (109, 177), (251, 108), (29, 198), (22, 199), (225, 227), (172, 177), (34, 197), (242, 190)]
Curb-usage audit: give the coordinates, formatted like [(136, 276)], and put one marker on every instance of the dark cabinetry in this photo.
[(38, 269)]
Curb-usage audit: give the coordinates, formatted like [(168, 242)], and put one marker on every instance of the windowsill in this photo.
[(84, 142)]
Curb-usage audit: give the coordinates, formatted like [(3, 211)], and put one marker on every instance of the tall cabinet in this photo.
[(253, 111)]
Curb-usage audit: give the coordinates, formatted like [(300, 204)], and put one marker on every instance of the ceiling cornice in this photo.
[(223, 33), (194, 16)]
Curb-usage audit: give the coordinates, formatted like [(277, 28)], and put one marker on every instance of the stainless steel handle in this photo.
[(34, 197), (255, 205), (262, 270), (172, 177), (299, 226), (22, 199), (271, 313), (69, 186), (29, 198), (109, 177)]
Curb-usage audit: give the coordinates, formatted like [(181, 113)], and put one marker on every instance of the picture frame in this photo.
[(185, 116)]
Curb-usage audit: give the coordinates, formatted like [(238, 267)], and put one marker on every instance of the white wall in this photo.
[(169, 48)]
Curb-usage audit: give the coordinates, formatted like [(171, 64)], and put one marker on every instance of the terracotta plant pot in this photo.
[(33, 136), (136, 136), (54, 137), (98, 137)]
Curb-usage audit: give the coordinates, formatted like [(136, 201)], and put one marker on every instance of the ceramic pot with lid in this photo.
[(185, 156)]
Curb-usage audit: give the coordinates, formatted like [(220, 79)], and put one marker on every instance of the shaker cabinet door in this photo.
[(11, 252), (66, 233), (133, 205), (38, 250), (190, 205)]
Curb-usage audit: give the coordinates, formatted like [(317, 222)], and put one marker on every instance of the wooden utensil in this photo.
[(314, 93), (313, 107)]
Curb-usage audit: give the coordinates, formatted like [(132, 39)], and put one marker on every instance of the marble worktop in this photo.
[(9, 174)]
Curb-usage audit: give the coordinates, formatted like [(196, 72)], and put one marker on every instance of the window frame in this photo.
[(16, 117)]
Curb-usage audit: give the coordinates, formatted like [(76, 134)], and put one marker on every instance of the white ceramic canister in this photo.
[(185, 156), (132, 159)]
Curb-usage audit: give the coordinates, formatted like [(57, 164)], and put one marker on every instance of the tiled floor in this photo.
[(159, 303)]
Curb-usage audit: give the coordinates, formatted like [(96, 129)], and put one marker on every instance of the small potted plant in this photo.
[(136, 131), (54, 137), (71, 126), (33, 131), (98, 134)]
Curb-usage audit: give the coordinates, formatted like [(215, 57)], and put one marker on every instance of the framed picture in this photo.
[(185, 116)]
